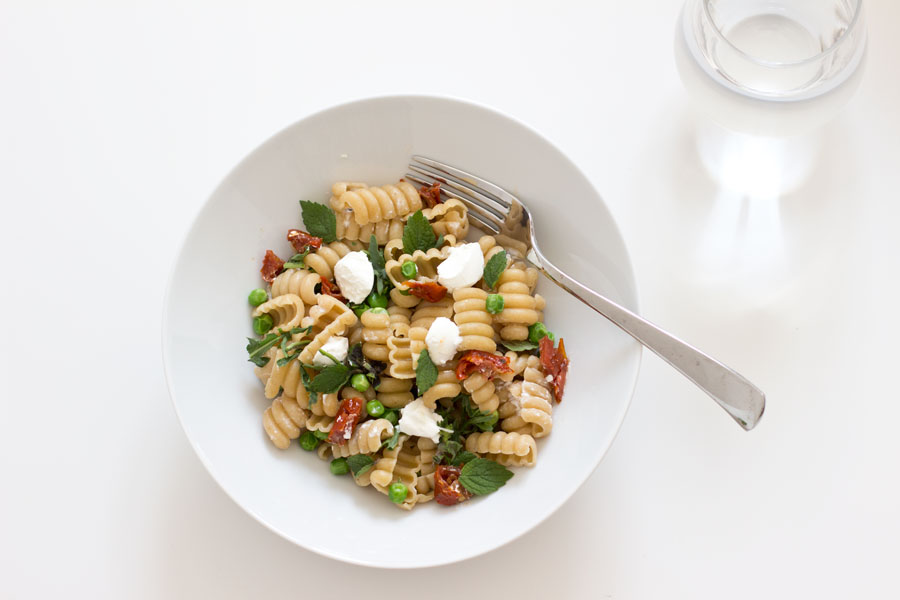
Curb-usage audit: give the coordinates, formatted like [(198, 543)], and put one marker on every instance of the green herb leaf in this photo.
[(426, 373), (376, 257), (331, 356), (447, 450), (519, 346), (361, 364), (418, 234), (256, 349), (392, 442), (463, 457), (319, 220), (330, 379), (482, 476), (297, 261), (307, 383), (359, 464), (494, 268)]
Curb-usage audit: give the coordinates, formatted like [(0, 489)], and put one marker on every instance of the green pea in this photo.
[(537, 332), (262, 324), (321, 435), (397, 492), (360, 383), (309, 441), (359, 309), (409, 269), (378, 311), (257, 297), (391, 416), (376, 300), (374, 408), (339, 466), (494, 303)]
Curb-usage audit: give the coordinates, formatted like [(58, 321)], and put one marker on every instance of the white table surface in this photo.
[(116, 121)]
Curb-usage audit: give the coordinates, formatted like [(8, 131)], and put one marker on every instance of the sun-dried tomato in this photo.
[(447, 488), (431, 194), (302, 241), (271, 266), (479, 361), (431, 291), (556, 364), (330, 289), (346, 419)]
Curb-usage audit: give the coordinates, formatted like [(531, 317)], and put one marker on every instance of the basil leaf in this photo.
[(519, 346), (359, 464), (482, 476), (330, 379), (418, 234), (319, 220), (494, 268), (426, 373), (297, 261), (463, 457)]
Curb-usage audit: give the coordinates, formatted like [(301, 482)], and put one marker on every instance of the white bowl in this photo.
[(206, 321)]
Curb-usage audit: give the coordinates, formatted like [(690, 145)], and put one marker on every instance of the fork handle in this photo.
[(741, 399)]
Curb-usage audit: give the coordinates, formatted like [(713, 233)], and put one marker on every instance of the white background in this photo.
[(118, 118)]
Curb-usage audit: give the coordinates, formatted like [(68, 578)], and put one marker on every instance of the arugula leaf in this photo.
[(331, 356), (463, 457), (297, 261), (392, 442), (376, 257), (519, 346), (418, 234), (256, 349), (359, 464), (319, 220), (482, 476), (494, 268), (330, 379), (426, 373), (307, 383)]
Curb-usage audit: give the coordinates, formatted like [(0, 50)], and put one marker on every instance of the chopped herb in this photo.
[(494, 268), (319, 220), (306, 380), (482, 476), (358, 361), (359, 464), (256, 349), (426, 372), (392, 441), (376, 257), (297, 261), (519, 346), (463, 457), (330, 379), (418, 234), (331, 356)]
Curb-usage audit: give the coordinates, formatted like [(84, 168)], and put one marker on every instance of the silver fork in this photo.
[(494, 209)]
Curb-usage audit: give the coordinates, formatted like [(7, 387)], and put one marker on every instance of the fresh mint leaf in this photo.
[(306, 380), (256, 349), (297, 261), (330, 379), (376, 257), (319, 220), (392, 441), (494, 268), (418, 234), (482, 476), (447, 450), (519, 346), (463, 457), (359, 464), (329, 355), (426, 373)]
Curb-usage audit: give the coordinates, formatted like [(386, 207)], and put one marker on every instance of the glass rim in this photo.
[(794, 63)]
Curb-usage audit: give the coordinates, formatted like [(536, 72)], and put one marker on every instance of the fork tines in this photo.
[(487, 203)]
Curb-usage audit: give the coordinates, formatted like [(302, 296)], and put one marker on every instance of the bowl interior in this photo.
[(220, 402)]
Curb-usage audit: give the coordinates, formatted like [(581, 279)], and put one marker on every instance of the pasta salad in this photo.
[(407, 357)]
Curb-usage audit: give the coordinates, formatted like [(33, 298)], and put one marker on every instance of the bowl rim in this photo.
[(167, 369)]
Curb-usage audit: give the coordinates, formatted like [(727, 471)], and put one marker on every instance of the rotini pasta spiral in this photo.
[(400, 358), (425, 479), (299, 282), (366, 439), (322, 261), (506, 448), (403, 301), (376, 329), (446, 386), (473, 319), (422, 318), (489, 246), (382, 473), (327, 318), (394, 393), (448, 218), (286, 311), (351, 233), (532, 402), (400, 319), (283, 421), (374, 204), (519, 306), (286, 377), (325, 405), (483, 392)]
